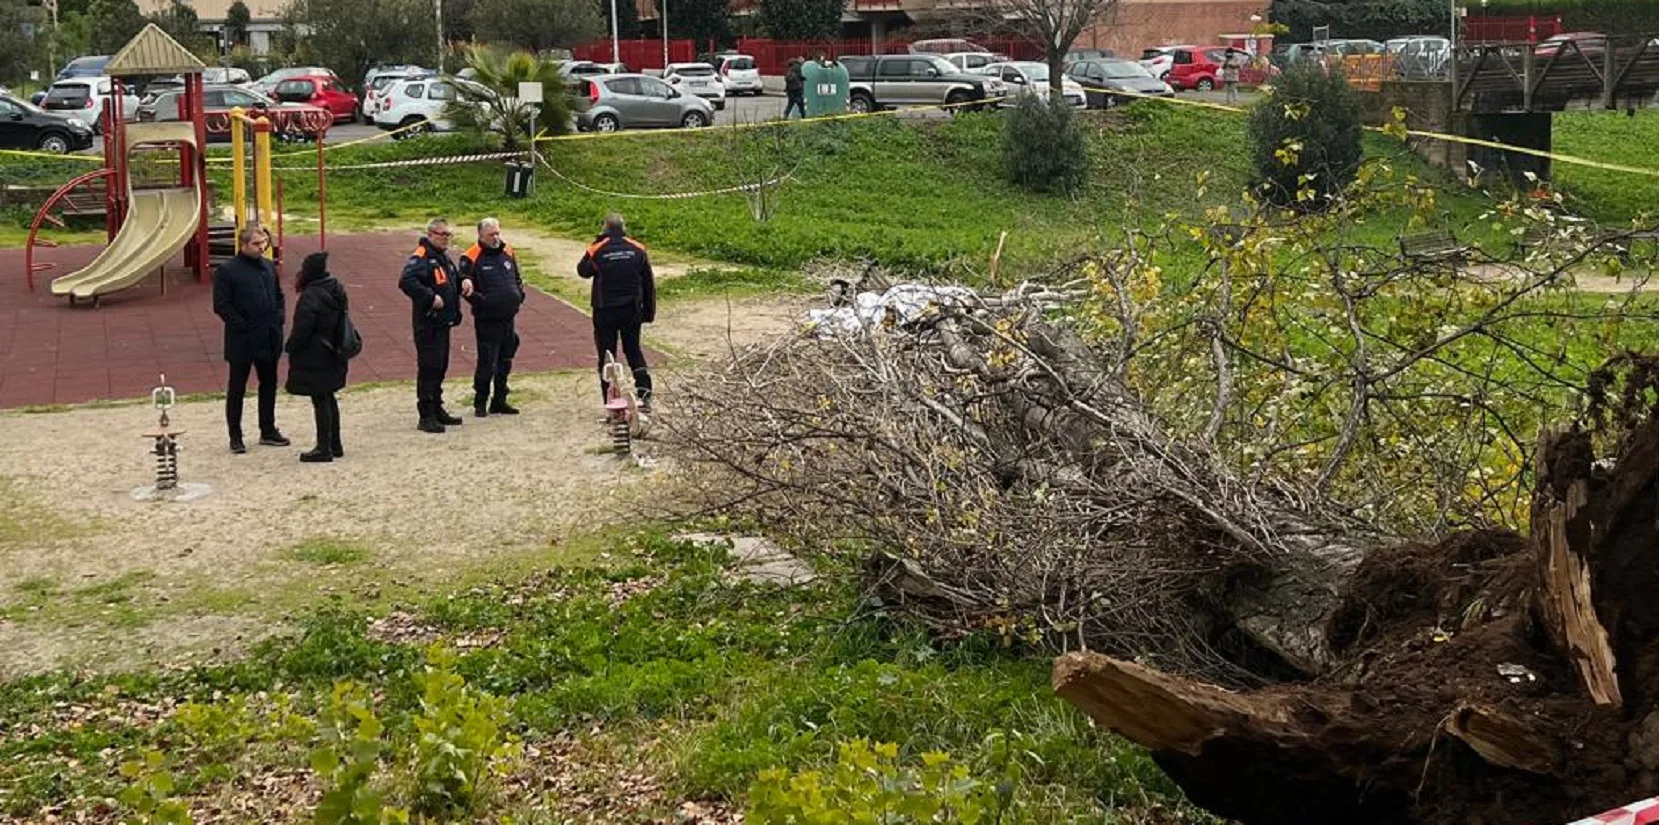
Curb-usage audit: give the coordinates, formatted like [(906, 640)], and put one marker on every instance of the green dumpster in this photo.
[(826, 89)]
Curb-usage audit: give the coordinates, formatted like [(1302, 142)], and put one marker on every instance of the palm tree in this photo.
[(487, 99)]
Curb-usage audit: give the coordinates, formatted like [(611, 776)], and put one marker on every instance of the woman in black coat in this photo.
[(315, 366)]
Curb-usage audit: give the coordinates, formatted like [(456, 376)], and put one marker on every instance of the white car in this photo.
[(377, 92), (1160, 60), (1026, 77), (739, 74), (419, 100), (82, 98), (969, 61), (697, 79)]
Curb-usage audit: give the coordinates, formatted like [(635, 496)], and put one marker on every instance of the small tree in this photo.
[(488, 102), (1305, 138), (703, 21), (237, 19), (537, 25), (113, 23), (352, 36), (1043, 148), (801, 19), (1055, 25)]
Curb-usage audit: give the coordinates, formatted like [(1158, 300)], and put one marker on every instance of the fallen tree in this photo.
[(1187, 492)]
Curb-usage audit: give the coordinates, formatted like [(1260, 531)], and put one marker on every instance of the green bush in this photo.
[(868, 784), (1305, 138), (460, 741), (1042, 147)]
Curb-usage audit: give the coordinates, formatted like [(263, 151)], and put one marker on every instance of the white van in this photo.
[(82, 98)]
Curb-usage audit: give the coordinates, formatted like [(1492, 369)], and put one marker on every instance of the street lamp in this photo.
[(438, 11), (616, 45)]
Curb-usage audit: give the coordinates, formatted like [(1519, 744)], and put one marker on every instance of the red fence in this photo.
[(638, 54), (773, 56), (1528, 29)]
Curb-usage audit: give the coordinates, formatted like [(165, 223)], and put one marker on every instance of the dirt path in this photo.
[(91, 579)]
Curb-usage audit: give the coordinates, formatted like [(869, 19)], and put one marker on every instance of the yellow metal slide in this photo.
[(159, 223)]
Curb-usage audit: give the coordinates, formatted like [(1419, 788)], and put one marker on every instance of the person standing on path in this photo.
[(794, 85), (1229, 73), (624, 297), (492, 283), (248, 298), (316, 366), (433, 286)]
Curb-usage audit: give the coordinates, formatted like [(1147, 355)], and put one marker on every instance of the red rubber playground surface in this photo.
[(51, 353)]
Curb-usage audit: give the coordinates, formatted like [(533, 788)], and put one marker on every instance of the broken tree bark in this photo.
[(1566, 601)]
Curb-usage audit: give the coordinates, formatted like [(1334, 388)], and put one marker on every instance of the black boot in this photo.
[(429, 419), (318, 455), (446, 419), (500, 407), (236, 445), (335, 447), (480, 406), (274, 438)]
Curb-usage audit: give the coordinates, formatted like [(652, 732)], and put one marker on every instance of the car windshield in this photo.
[(1034, 72), (698, 70), (61, 92), (22, 104), (85, 66), (1124, 69), (741, 64), (1152, 54), (944, 66)]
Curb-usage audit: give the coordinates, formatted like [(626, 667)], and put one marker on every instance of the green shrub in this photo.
[(352, 739), (1305, 138), (868, 784), (149, 799), (1043, 148), (460, 740)]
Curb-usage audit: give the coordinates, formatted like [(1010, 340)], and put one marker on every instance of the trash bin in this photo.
[(827, 88), (521, 178)]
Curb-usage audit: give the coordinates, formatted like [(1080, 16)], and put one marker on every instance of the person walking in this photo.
[(247, 297), (794, 85), (316, 362), (624, 297), (1229, 73), (492, 283), (433, 286)]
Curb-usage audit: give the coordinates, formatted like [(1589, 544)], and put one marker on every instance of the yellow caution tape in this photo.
[(51, 156)]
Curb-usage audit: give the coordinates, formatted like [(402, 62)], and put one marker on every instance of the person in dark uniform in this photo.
[(316, 367), (434, 289), (624, 298), (248, 298), (491, 282), (794, 86)]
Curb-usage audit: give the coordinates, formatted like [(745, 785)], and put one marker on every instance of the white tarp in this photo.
[(901, 304)]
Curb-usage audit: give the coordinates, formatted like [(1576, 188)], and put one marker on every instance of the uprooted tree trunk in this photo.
[(1487, 679)]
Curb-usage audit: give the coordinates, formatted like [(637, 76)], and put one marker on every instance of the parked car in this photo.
[(321, 91), (1160, 59), (968, 61), (90, 66), (588, 68), (698, 79), (26, 126), (739, 74), (1592, 45), (226, 76), (944, 46), (83, 98), (1076, 55), (292, 120), (1420, 57), (1100, 78), (892, 80), (267, 84), (1196, 67), (377, 91), (634, 101), (1028, 77), (417, 100)]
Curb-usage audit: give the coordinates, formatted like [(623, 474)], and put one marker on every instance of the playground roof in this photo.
[(152, 51)]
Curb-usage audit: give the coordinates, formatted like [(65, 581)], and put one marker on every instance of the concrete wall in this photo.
[(1428, 108), (1143, 23)]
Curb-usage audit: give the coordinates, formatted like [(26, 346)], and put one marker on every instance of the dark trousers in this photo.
[(431, 364), (797, 101), (326, 409), (238, 389), (497, 344), (621, 323)]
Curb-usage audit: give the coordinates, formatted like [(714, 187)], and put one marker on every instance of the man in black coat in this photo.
[(248, 298), (624, 297), (492, 283), (434, 289), (794, 86)]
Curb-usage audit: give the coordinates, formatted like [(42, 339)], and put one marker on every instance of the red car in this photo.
[(322, 92), (1196, 67)]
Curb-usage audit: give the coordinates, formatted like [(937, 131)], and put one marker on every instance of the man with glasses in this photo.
[(492, 283), (247, 297), (434, 289)]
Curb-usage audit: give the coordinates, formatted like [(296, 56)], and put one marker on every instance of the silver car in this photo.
[(607, 103)]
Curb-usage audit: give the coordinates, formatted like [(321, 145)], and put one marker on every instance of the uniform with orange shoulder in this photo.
[(493, 285), (434, 289), (624, 297)]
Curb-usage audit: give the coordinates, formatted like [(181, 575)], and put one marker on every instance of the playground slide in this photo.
[(159, 223)]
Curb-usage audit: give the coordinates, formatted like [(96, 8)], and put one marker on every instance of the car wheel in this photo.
[(861, 104), (412, 125), (55, 143), (694, 120), (356, 114), (955, 100), (606, 123), (1205, 84)]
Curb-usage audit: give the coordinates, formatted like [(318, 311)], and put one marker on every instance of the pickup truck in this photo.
[(892, 80)]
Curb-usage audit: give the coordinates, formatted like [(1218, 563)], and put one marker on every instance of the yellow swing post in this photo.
[(239, 170), (240, 124)]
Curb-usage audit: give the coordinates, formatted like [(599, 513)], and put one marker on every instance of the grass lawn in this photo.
[(653, 667), (1610, 197)]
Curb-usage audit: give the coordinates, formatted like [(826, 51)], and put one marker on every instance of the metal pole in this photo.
[(616, 44), (438, 10), (1451, 65), (662, 15)]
